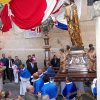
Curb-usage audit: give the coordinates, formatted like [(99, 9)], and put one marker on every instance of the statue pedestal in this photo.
[(77, 61)]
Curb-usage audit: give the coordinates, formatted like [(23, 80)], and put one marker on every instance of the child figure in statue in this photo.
[(92, 59), (68, 55), (62, 60)]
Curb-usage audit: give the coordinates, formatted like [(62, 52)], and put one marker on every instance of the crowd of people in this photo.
[(36, 83)]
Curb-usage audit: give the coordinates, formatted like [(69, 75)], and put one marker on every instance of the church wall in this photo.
[(15, 44), (88, 32)]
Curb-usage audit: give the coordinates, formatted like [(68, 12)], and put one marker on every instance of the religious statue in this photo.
[(73, 24)]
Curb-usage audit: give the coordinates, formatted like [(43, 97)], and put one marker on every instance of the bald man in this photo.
[(29, 94)]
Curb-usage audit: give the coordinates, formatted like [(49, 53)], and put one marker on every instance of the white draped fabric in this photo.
[(50, 6)]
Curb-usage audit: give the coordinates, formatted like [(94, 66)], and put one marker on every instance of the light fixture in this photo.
[(46, 26)]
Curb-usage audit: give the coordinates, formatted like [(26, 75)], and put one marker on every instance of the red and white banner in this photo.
[(27, 14)]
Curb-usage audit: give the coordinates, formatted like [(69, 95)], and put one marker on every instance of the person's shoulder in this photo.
[(26, 94), (73, 83), (30, 96), (7, 59), (51, 83)]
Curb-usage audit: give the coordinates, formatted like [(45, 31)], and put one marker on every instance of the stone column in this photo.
[(47, 48), (45, 27), (98, 55), (96, 16)]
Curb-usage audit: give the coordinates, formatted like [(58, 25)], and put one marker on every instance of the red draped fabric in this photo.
[(5, 19), (27, 13)]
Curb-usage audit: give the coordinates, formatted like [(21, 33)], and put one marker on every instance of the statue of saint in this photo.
[(73, 24)]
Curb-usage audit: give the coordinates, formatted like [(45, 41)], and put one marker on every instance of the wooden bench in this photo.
[(76, 76)]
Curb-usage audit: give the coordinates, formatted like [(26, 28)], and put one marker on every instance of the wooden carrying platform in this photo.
[(75, 76), (77, 69)]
